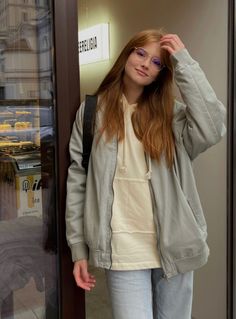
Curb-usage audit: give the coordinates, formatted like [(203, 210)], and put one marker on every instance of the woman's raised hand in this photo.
[(171, 43), (82, 277)]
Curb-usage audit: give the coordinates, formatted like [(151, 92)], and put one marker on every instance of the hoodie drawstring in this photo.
[(149, 172)]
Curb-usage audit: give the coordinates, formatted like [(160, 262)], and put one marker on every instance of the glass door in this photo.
[(28, 245)]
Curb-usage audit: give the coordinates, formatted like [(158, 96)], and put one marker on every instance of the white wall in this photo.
[(202, 25)]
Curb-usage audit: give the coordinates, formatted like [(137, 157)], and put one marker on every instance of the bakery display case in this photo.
[(20, 162), (17, 129)]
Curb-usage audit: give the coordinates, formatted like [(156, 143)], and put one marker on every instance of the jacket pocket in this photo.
[(182, 236), (198, 214)]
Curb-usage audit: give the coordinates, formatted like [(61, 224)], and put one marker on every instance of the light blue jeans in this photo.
[(145, 294)]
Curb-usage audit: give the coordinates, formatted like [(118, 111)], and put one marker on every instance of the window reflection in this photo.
[(28, 248)]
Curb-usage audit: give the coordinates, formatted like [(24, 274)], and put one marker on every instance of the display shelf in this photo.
[(26, 103), (16, 132)]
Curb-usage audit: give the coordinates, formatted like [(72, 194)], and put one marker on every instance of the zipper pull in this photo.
[(164, 276)]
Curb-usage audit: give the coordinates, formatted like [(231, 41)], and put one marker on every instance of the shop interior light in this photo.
[(94, 44)]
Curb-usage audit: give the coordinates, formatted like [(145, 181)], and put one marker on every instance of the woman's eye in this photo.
[(140, 53), (156, 62)]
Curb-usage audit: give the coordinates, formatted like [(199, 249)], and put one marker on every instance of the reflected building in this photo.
[(25, 58)]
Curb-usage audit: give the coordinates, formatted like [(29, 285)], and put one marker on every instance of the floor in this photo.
[(29, 303)]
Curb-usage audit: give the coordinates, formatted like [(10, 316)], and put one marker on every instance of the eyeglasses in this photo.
[(142, 55)]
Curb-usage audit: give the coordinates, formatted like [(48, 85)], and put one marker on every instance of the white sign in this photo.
[(29, 195), (94, 44)]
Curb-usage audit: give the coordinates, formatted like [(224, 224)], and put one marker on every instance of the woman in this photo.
[(137, 213)]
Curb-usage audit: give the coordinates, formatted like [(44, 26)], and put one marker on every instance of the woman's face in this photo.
[(143, 65)]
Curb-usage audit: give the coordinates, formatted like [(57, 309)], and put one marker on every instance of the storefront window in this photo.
[(28, 249)]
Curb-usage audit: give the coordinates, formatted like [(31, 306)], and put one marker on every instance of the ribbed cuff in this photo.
[(79, 251), (182, 57)]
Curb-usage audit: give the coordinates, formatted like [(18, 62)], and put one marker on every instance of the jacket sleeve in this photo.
[(199, 122), (76, 185)]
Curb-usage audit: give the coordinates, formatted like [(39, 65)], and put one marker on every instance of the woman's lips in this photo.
[(141, 73)]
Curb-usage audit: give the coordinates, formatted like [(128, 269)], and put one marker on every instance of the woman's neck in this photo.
[(132, 97), (132, 92)]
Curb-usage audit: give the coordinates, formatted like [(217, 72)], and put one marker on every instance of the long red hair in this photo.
[(152, 119)]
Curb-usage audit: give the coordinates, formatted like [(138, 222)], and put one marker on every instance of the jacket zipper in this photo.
[(161, 254), (112, 191), (157, 225), (158, 235)]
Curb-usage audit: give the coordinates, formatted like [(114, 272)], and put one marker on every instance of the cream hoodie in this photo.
[(134, 238)]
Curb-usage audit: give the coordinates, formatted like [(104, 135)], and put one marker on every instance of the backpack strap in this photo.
[(88, 123)]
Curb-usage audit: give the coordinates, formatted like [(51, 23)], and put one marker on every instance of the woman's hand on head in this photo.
[(171, 43), (82, 277)]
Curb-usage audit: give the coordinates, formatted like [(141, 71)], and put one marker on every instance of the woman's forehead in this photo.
[(152, 47)]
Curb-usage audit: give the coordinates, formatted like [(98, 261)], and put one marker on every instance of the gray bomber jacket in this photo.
[(181, 226)]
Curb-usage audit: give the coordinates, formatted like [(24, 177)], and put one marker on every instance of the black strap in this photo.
[(89, 118)]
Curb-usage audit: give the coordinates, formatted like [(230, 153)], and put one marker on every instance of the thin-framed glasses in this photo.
[(142, 55)]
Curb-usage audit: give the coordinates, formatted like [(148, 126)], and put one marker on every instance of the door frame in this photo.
[(67, 89), (231, 167)]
